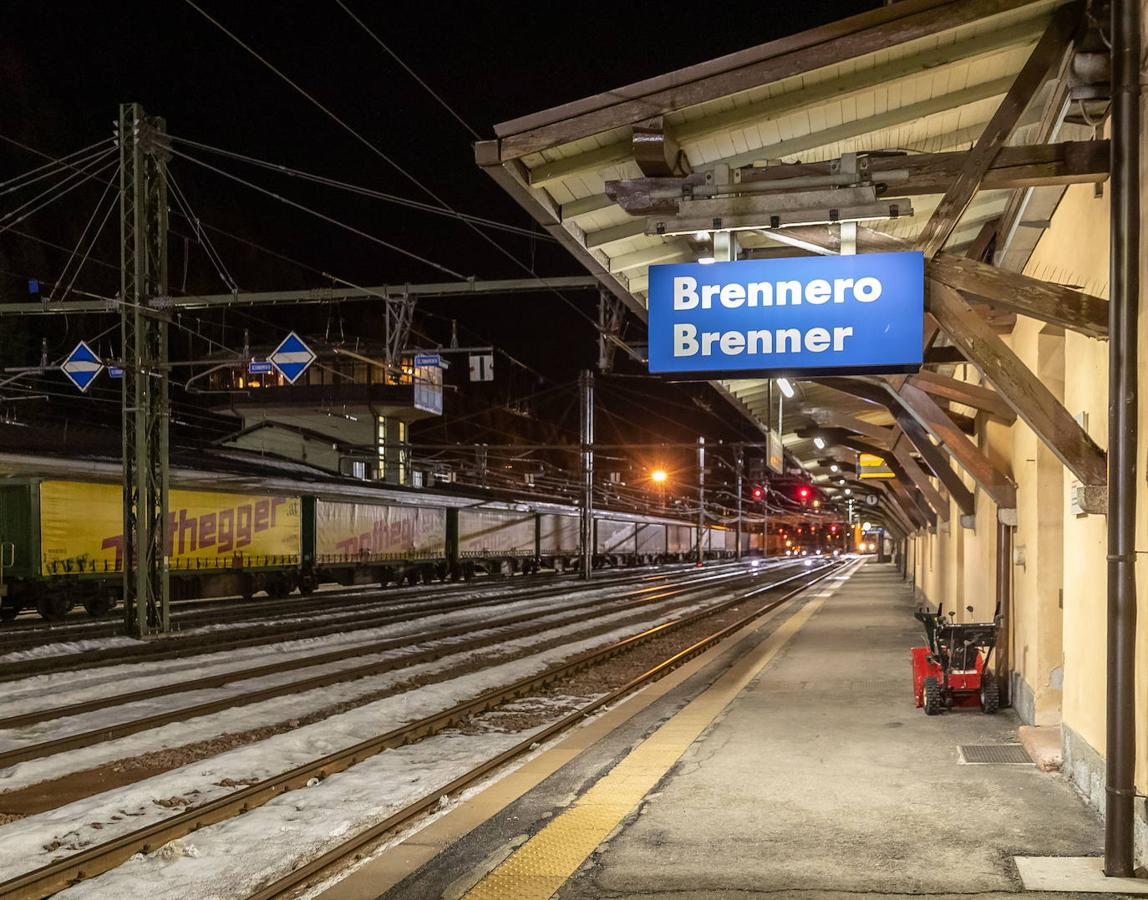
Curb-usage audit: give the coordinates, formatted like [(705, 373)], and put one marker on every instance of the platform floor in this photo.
[(819, 780)]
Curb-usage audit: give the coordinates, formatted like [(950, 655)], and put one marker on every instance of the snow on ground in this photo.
[(355, 606), (266, 713), (66, 648), (37, 840), (54, 689), (348, 607), (232, 859), (281, 708)]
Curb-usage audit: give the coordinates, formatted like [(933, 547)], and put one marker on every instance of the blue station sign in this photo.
[(861, 313)]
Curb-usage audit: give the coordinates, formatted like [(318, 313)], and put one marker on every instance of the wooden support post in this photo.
[(1041, 62), (1019, 386)]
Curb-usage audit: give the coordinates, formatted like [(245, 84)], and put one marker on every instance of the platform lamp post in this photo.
[(739, 470), (701, 499), (659, 477), (586, 531)]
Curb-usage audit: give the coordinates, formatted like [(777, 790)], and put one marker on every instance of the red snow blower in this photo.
[(951, 670)]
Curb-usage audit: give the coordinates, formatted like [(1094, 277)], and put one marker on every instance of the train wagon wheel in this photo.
[(100, 603), (279, 588), (53, 607)]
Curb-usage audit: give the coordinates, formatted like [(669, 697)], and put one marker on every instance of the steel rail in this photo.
[(316, 659), (83, 625), (257, 634), (100, 858), (299, 876), (106, 733), (19, 634)]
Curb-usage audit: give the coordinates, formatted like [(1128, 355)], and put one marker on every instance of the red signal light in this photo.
[(758, 493), (803, 493)]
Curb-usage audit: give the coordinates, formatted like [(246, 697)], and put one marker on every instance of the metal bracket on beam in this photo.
[(1007, 517), (969, 522)]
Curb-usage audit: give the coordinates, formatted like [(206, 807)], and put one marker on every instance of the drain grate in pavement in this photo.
[(994, 755)]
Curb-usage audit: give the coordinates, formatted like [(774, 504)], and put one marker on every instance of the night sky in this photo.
[(65, 66)]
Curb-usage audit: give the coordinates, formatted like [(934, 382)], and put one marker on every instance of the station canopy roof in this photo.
[(916, 78)]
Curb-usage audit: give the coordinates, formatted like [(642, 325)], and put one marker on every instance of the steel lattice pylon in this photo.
[(143, 330)]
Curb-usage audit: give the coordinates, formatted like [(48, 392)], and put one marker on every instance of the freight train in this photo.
[(61, 538)]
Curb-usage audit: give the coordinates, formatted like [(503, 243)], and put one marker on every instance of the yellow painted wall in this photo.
[(1075, 251), (1056, 550)]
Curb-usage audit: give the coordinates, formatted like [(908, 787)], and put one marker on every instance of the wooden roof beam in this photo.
[(890, 118), (887, 441), (962, 392), (833, 420), (1042, 62), (919, 476), (920, 505), (936, 460), (512, 178), (1042, 300), (1055, 109), (956, 443), (1019, 386), (912, 428), (897, 496), (1030, 165)]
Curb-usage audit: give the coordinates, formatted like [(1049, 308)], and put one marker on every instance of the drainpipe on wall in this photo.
[(1004, 611), (1122, 439)]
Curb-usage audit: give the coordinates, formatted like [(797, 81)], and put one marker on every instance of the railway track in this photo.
[(100, 858), (375, 614), (658, 599), (23, 635)]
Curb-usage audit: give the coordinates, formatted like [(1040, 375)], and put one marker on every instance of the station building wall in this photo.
[(1058, 567)]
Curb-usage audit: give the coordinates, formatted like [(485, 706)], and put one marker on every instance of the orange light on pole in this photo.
[(659, 476)]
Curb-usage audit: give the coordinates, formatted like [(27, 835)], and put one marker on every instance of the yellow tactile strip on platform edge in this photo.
[(544, 863)]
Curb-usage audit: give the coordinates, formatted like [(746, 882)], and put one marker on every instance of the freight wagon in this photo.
[(61, 540)]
